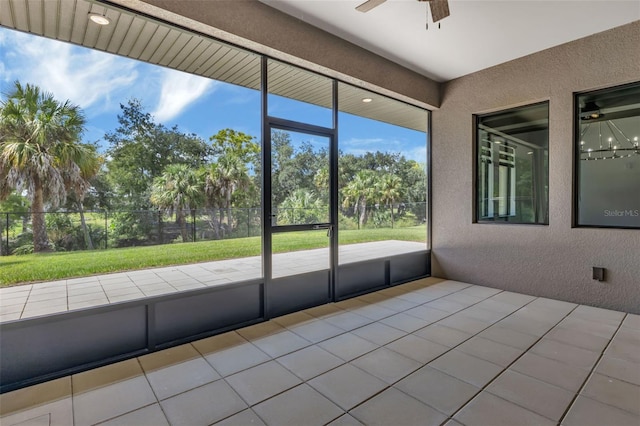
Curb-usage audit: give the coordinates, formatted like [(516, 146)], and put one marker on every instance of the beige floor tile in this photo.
[(29, 397), (551, 371), (463, 323), (591, 327), (323, 311), (631, 321), (168, 357), (393, 407), (310, 362), (238, 358), (151, 415), (301, 405), (204, 405), (111, 401), (417, 348), (345, 420), (243, 418), (178, 378), (444, 335), (437, 389), (588, 412), (570, 355), (623, 395), (374, 312), (348, 320), (599, 315), (511, 298), (537, 396), (103, 376), (316, 331), (491, 351), (498, 306), (445, 305), (347, 386), (624, 349), (262, 381), (508, 337), (262, 329), (404, 322), (465, 367), (379, 333), (524, 325), (429, 315), (348, 346), (620, 369), (483, 314), (480, 291), (463, 298), (386, 364), (280, 343), (578, 338), (489, 410), (294, 319), (399, 304), (57, 413)]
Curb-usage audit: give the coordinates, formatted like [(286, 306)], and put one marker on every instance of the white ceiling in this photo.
[(477, 35)]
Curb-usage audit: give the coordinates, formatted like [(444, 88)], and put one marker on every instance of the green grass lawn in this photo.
[(55, 266)]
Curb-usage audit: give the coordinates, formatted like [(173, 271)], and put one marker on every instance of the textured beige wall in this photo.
[(254, 21), (552, 261)]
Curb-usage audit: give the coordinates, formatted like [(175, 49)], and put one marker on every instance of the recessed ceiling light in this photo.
[(367, 100), (530, 153), (99, 19)]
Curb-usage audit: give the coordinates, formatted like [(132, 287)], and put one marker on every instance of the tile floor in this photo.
[(430, 352), (33, 300)]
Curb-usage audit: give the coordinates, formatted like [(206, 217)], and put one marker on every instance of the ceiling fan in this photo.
[(439, 8)]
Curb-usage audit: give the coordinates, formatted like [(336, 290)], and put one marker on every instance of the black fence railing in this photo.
[(72, 230)]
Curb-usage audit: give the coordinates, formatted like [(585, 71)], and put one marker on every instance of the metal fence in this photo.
[(71, 230)]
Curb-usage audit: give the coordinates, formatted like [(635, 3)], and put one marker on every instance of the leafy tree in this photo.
[(390, 190), (178, 189), (40, 152), (140, 149), (302, 207), (358, 192), (232, 178), (15, 207)]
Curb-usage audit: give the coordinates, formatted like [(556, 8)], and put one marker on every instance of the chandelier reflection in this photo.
[(616, 145)]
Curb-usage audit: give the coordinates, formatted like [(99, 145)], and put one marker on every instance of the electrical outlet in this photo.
[(598, 273)]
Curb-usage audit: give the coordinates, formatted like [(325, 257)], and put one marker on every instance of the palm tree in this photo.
[(357, 193), (224, 177), (40, 152), (178, 189), (390, 189), (302, 207)]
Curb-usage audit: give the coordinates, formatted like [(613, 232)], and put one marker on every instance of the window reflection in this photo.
[(512, 165)]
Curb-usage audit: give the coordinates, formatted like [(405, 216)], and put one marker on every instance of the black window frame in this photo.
[(476, 218), (575, 216)]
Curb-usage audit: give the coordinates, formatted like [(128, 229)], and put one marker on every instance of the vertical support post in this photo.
[(193, 218), (7, 231), (106, 230)]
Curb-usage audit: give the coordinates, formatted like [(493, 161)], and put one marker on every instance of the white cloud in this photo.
[(363, 142), (86, 77), (178, 91)]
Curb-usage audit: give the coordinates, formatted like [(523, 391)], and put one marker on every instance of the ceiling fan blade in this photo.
[(439, 9), (369, 4)]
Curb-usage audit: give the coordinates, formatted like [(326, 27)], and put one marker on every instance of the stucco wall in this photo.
[(555, 260)]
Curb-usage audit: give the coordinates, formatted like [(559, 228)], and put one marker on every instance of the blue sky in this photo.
[(99, 82)]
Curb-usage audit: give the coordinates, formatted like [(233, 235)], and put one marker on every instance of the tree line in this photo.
[(44, 166)]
